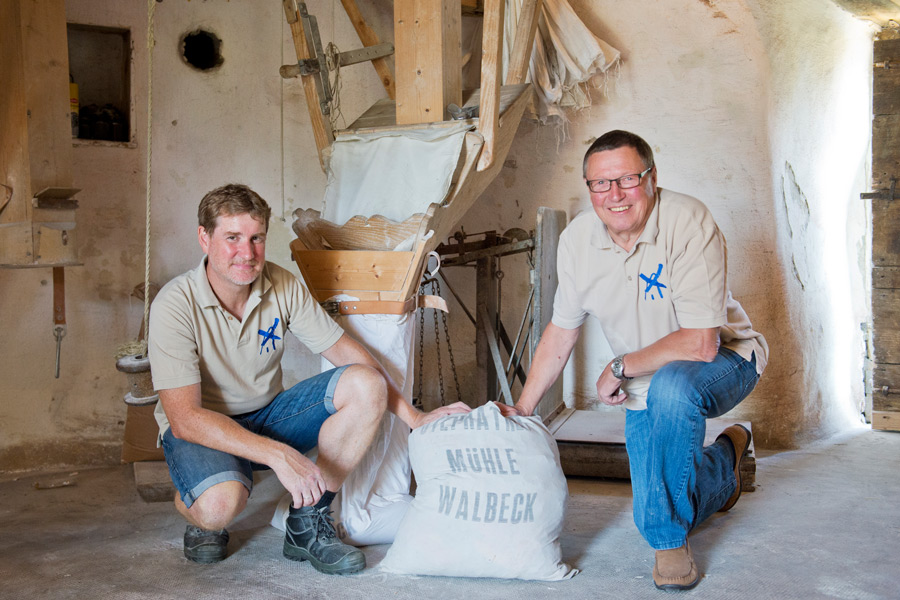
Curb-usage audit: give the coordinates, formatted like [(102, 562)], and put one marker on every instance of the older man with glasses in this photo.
[(650, 265)]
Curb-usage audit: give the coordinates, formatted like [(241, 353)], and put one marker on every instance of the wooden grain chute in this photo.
[(360, 257)]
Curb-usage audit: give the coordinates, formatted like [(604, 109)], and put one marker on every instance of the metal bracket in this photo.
[(461, 113), (332, 307), (888, 194), (310, 66)]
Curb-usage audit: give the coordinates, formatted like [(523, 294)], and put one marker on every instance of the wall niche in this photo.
[(100, 82)]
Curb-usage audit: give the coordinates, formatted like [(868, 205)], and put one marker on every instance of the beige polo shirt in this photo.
[(674, 277), (237, 362)]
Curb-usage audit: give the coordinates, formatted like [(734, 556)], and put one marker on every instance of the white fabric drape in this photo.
[(567, 56), (394, 174)]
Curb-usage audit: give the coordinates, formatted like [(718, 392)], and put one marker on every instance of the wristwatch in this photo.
[(617, 366)]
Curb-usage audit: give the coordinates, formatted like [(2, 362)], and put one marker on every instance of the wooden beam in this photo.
[(368, 37), (427, 59), (320, 126), (886, 315), (524, 42), (16, 168), (548, 226), (472, 6), (885, 225), (47, 93), (491, 47), (886, 386)]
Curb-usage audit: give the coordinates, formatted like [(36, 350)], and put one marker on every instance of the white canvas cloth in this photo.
[(394, 174), (566, 57), (375, 496), (490, 500)]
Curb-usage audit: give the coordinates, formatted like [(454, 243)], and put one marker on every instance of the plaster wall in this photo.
[(761, 110), (78, 418), (747, 106)]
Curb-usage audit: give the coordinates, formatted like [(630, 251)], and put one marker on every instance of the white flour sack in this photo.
[(490, 500)]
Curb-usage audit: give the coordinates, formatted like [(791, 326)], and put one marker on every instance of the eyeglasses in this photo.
[(624, 182)]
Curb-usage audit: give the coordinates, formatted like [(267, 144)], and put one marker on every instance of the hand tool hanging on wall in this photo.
[(59, 310)]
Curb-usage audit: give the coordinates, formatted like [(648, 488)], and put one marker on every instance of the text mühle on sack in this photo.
[(490, 501)]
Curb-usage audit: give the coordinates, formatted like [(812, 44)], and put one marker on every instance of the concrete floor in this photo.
[(824, 522)]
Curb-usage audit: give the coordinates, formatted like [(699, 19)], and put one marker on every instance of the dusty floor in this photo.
[(824, 522)]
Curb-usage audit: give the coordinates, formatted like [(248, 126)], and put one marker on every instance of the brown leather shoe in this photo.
[(675, 569), (740, 438)]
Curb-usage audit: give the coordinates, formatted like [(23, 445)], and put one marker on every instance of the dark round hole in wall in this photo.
[(202, 50)]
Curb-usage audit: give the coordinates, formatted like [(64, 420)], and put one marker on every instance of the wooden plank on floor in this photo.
[(151, 478), (887, 421), (592, 444)]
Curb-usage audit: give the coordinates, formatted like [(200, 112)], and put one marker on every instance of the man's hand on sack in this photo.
[(424, 418), (510, 411)]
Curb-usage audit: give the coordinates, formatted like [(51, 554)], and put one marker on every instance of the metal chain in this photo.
[(436, 290), (421, 350), (437, 347)]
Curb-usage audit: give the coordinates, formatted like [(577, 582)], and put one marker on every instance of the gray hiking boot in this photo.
[(204, 546), (309, 535)]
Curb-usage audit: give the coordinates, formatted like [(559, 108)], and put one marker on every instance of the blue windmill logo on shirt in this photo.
[(653, 282), (268, 336)]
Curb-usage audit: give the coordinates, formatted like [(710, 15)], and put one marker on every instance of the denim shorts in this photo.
[(294, 417)]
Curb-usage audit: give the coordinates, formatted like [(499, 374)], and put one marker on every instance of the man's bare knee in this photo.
[(362, 387), (217, 506)]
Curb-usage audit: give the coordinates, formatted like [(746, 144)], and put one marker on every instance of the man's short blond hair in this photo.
[(232, 199)]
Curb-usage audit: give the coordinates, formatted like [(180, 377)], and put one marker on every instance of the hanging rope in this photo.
[(151, 7), (333, 64), (139, 347)]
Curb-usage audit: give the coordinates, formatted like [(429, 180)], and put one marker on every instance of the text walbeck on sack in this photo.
[(482, 505)]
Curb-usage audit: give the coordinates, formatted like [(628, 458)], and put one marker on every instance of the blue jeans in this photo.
[(675, 481), (293, 417)]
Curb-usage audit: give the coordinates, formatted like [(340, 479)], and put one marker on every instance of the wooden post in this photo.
[(320, 126), (486, 304), (885, 232), (36, 143), (427, 59), (547, 228), (369, 38), (492, 45), (16, 173)]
